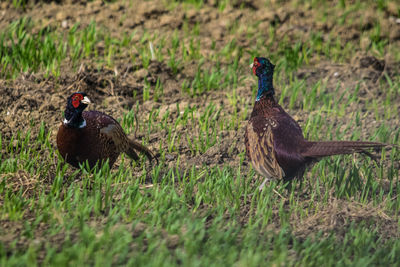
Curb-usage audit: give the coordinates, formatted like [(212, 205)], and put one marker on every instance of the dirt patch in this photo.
[(339, 215), (20, 181)]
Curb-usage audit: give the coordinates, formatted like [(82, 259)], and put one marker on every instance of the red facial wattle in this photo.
[(256, 64), (76, 100)]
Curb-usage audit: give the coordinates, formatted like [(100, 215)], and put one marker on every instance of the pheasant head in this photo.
[(264, 70), (76, 103)]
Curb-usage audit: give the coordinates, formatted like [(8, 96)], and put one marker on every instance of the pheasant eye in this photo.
[(255, 62)]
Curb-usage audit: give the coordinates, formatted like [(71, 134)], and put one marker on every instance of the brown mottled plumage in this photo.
[(93, 136), (274, 141)]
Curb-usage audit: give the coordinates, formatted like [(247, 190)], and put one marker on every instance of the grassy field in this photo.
[(175, 75)]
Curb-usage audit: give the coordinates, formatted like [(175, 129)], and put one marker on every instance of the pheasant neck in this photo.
[(74, 119), (265, 86)]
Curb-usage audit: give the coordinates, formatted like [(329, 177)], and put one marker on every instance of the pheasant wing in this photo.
[(260, 149), (288, 143), (109, 130)]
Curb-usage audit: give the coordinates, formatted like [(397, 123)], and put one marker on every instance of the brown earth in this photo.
[(31, 98)]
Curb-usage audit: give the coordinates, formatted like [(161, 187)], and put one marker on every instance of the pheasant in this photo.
[(274, 141), (93, 136)]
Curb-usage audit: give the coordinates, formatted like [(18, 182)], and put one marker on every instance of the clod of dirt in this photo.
[(141, 74), (138, 229), (392, 7), (395, 34), (370, 61)]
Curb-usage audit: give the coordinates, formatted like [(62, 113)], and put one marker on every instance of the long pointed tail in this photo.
[(330, 148), (136, 146)]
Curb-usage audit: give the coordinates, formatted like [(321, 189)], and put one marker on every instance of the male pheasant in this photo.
[(93, 136), (274, 141)]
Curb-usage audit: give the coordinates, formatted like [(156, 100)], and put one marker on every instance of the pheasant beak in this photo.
[(86, 100), (251, 65)]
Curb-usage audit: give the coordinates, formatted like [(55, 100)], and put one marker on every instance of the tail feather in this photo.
[(330, 148), (136, 146)]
